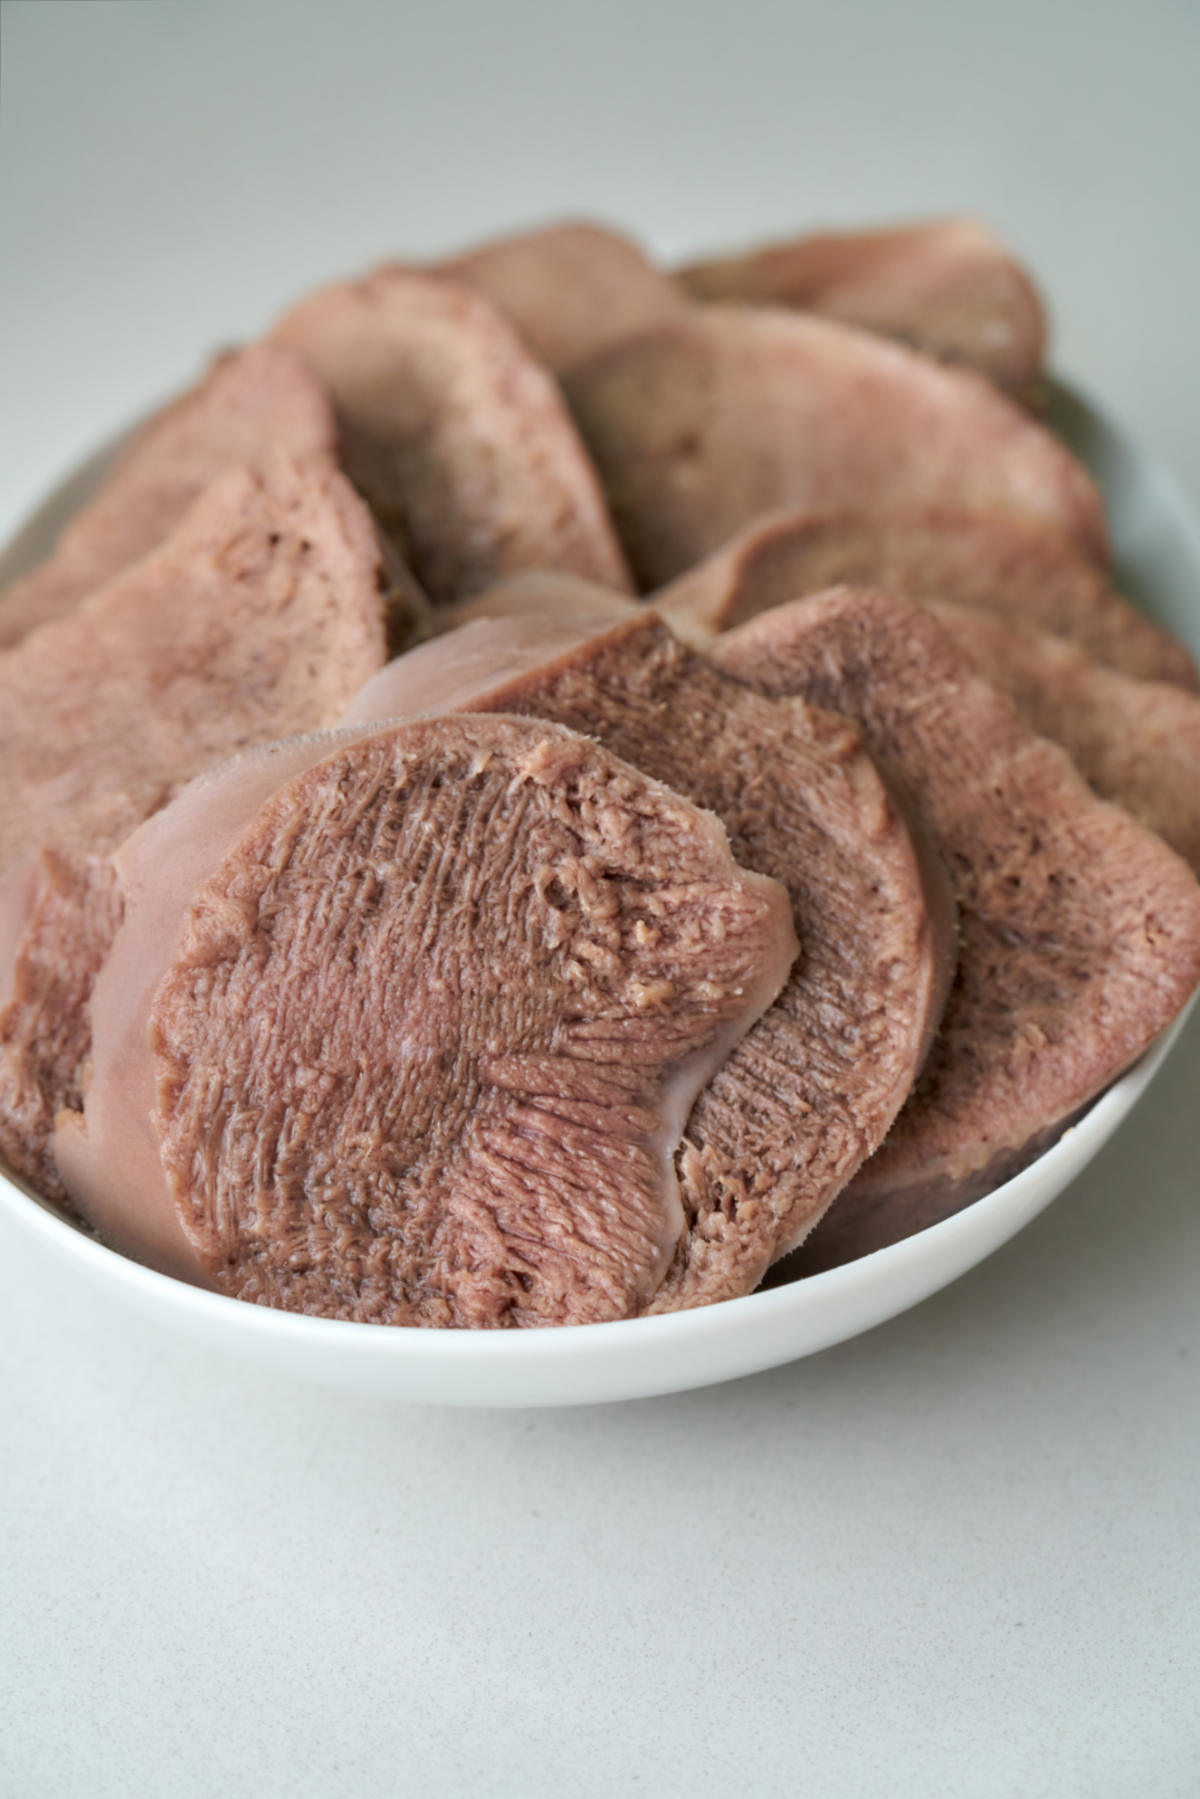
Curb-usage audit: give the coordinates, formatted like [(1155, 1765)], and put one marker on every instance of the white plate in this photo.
[(1157, 536)]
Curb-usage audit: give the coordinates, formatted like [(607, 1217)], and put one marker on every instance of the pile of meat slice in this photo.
[(550, 784)]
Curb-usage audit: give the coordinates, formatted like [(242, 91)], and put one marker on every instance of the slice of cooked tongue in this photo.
[(570, 290), (1079, 930), (459, 440), (1135, 742), (410, 1037), (251, 404), (812, 1089), (259, 617), (949, 288), (1006, 566), (700, 425)]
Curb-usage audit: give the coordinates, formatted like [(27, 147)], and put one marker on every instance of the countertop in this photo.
[(958, 1556)]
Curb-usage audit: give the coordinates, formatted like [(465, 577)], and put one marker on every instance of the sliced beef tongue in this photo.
[(813, 1087), (411, 1036), (258, 617), (948, 287), (1010, 567), (1080, 931), (570, 290), (700, 425), (457, 437), (1135, 742), (252, 403)]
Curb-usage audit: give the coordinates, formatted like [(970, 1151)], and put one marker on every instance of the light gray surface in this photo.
[(960, 1556)]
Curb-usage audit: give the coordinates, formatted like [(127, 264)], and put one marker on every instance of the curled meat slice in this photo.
[(700, 425), (948, 287), (458, 439), (570, 290), (251, 404), (1009, 567), (1079, 930)]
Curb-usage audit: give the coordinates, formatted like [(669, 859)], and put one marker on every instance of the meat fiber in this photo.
[(459, 440), (259, 617), (812, 1089), (949, 288), (1135, 742), (570, 290), (251, 404), (1005, 566), (700, 426), (1079, 930), (410, 1037)]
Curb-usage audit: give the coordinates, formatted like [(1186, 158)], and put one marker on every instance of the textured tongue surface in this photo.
[(814, 1086), (114, 1171), (412, 1037), (1080, 931), (1135, 742)]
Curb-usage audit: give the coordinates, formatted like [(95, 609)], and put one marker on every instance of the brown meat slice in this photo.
[(812, 1089), (459, 440), (1000, 565), (250, 404), (259, 617), (419, 1030), (1135, 742), (948, 287), (1079, 930), (570, 290), (700, 426)]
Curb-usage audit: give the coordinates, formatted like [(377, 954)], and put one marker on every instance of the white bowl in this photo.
[(1157, 536)]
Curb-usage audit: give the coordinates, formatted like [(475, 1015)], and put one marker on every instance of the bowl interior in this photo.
[(1157, 540)]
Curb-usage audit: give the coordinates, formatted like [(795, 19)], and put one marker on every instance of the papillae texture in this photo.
[(1079, 930), (420, 1048), (1135, 742), (812, 1088)]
